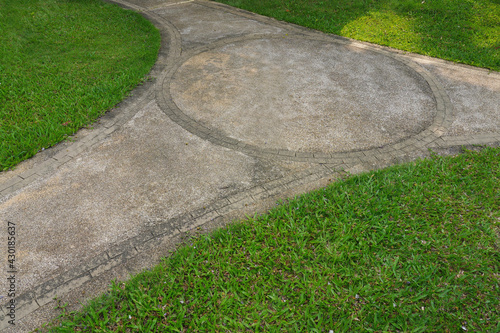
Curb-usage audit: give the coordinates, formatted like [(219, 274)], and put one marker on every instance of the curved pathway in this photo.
[(242, 111)]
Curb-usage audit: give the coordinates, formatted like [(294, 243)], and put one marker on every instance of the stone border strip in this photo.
[(308, 31), (127, 249), (33, 299), (425, 140), (110, 121), (441, 121), (171, 50), (111, 124), (121, 252), (466, 140)]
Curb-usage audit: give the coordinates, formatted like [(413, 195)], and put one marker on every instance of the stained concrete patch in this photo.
[(303, 95), (152, 169), (199, 25)]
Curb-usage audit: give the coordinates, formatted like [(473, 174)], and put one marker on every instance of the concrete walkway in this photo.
[(243, 110)]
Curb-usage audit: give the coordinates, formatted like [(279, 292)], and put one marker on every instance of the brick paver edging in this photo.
[(111, 121), (120, 253), (441, 121), (168, 62), (432, 137)]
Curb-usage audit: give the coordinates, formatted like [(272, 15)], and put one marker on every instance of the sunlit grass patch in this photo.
[(461, 31), (386, 28)]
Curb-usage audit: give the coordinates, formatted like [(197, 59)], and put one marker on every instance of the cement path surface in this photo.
[(242, 110)]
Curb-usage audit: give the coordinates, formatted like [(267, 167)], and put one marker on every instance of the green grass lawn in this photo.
[(466, 31), (64, 63), (413, 248)]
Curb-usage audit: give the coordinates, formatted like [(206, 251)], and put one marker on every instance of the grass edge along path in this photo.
[(64, 64), (411, 248), (464, 31)]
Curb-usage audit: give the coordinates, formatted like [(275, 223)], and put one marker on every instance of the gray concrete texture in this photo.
[(244, 110), (303, 95)]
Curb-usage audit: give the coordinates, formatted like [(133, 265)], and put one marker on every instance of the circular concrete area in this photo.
[(303, 95)]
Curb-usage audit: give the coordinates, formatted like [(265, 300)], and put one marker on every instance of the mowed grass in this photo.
[(64, 63), (465, 31), (413, 248)]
